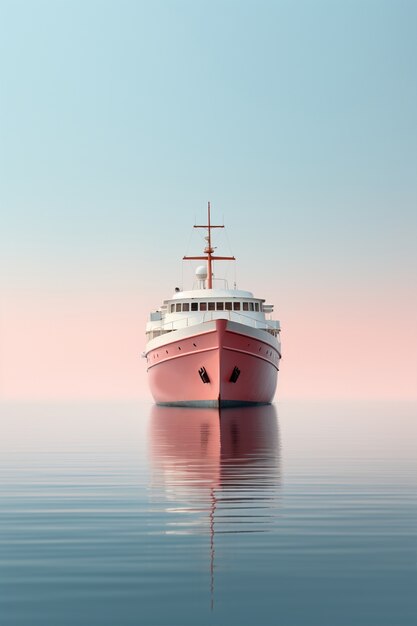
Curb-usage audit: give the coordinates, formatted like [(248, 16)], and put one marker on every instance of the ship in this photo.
[(212, 347)]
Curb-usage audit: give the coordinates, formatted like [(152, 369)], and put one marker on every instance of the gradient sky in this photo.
[(119, 120)]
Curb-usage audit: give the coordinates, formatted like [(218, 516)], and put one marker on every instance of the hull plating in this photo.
[(221, 367)]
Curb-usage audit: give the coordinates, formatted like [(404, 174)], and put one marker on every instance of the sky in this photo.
[(120, 120)]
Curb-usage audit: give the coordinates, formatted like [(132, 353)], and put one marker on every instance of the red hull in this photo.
[(221, 366)]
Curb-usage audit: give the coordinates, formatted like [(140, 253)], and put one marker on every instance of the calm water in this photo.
[(131, 514)]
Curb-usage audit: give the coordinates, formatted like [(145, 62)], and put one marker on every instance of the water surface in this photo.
[(133, 514)]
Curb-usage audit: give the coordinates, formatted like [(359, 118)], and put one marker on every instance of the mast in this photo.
[(208, 250)]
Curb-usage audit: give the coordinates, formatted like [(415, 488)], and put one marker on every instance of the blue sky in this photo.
[(298, 120)]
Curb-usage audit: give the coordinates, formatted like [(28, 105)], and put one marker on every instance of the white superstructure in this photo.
[(187, 308)]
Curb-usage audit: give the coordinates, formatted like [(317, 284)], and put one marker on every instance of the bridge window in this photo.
[(178, 307), (228, 306), (251, 307), (172, 308), (236, 306), (256, 306), (211, 306), (246, 306), (186, 306), (203, 306), (194, 306)]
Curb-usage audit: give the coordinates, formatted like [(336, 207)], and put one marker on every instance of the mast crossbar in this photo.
[(206, 226), (213, 258)]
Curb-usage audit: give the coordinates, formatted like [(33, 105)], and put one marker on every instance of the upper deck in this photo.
[(187, 308)]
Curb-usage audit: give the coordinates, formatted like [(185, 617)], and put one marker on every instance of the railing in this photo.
[(208, 316)]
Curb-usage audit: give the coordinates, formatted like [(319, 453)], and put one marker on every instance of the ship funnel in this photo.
[(201, 276)]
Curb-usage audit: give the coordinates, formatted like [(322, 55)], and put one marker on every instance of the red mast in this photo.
[(209, 251)]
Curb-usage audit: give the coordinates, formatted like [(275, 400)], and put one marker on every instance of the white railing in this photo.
[(208, 316)]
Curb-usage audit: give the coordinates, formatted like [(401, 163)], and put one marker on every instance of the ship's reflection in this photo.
[(235, 449), (219, 470)]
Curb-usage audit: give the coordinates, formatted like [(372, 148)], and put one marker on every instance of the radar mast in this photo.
[(208, 250)]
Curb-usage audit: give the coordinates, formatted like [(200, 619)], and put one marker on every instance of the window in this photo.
[(186, 306), (246, 306), (172, 308), (178, 307), (194, 306), (220, 306), (203, 306), (236, 306), (228, 306), (251, 307), (211, 306), (257, 306)]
